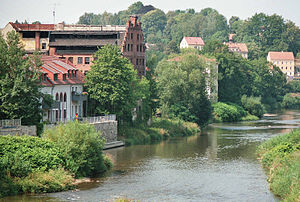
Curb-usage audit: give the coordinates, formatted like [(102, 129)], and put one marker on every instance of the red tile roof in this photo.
[(32, 27), (241, 46), (194, 41), (281, 55), (53, 65)]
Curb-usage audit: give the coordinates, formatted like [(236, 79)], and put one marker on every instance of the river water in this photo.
[(218, 165)]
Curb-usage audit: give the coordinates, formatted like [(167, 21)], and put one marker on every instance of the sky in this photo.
[(69, 11)]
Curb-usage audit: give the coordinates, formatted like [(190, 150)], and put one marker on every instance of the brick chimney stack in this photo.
[(133, 20)]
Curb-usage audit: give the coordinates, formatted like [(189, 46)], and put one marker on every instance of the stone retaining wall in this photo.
[(19, 130), (109, 130)]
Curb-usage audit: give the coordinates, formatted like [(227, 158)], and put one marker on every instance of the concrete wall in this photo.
[(20, 130), (109, 130)]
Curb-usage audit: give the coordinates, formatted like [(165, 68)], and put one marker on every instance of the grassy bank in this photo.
[(280, 157), (161, 129), (51, 163)]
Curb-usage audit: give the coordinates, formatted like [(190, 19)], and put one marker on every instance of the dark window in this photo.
[(75, 73), (70, 59), (137, 48), (65, 113), (28, 34), (64, 77), (143, 62), (128, 47), (56, 97), (55, 77), (43, 46), (79, 61), (141, 48), (131, 47), (86, 60), (138, 37), (61, 97), (45, 77), (65, 97), (137, 61), (131, 35)]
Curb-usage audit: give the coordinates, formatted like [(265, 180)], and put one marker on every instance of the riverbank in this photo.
[(280, 156), (161, 129), (51, 163)]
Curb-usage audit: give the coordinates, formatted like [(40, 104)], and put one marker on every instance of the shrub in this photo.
[(291, 102), (23, 155), (253, 105), (81, 146), (51, 181), (227, 113)]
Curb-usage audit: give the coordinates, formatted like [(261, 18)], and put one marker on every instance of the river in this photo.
[(218, 165)]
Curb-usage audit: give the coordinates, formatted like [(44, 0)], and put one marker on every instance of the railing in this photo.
[(10, 123), (99, 119)]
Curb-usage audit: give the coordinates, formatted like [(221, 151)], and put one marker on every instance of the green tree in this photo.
[(112, 83), (19, 82)]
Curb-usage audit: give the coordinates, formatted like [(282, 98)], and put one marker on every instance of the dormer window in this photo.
[(45, 77), (55, 77), (64, 77), (75, 73)]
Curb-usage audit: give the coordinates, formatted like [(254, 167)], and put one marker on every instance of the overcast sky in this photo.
[(70, 10)]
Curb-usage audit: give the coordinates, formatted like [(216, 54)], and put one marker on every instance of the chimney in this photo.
[(133, 19)]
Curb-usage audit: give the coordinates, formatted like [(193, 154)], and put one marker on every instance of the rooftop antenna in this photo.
[(53, 12)]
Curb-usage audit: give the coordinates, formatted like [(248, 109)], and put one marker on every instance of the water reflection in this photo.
[(218, 165)]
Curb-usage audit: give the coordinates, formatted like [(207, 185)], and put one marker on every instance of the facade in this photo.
[(35, 37), (284, 60), (76, 44), (240, 48), (192, 42), (65, 84)]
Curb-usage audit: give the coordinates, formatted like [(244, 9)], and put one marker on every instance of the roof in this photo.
[(231, 37), (53, 65), (194, 41), (32, 27), (281, 55), (241, 46)]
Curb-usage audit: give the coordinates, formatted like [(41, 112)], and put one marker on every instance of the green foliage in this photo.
[(53, 180), (182, 87), (291, 102), (293, 86), (23, 155), (280, 156), (253, 105), (112, 83), (81, 147), (228, 112), (19, 82)]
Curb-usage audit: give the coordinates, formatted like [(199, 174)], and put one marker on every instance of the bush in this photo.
[(50, 181), (291, 102), (253, 105), (81, 146), (281, 157), (227, 112), (23, 155)]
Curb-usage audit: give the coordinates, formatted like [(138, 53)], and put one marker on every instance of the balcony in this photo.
[(78, 97)]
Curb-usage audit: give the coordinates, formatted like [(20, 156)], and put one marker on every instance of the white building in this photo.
[(284, 60), (65, 84), (192, 42)]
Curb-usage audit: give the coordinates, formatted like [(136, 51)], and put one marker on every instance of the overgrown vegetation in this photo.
[(280, 156), (49, 164), (161, 129)]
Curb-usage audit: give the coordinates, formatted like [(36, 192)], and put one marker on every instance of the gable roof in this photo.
[(194, 41), (53, 65), (241, 46), (281, 55)]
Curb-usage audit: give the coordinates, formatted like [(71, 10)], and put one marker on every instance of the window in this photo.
[(79, 60), (137, 61), (65, 97), (131, 35), (131, 46), (141, 48), (128, 47), (43, 46), (45, 77), (75, 73), (55, 77), (64, 77), (56, 97), (65, 113), (70, 59), (137, 48), (86, 60), (61, 97), (138, 37)]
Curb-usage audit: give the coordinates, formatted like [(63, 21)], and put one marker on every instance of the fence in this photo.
[(10, 123), (99, 119)]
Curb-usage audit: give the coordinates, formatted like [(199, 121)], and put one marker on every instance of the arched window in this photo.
[(65, 97), (56, 97), (61, 97)]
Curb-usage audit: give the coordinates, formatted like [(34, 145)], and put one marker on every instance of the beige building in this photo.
[(284, 60), (192, 42), (240, 48)]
